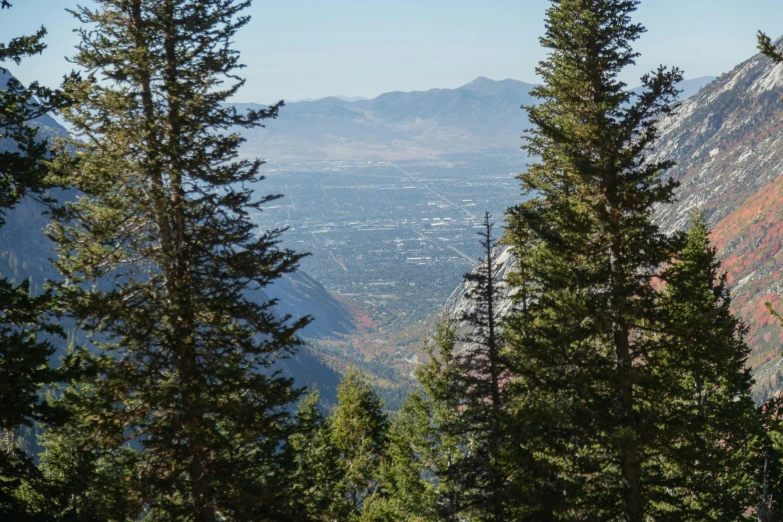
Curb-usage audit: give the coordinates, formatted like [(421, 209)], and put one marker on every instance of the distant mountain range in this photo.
[(344, 98), (480, 116), (397, 125)]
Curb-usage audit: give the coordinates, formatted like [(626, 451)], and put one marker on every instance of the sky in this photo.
[(298, 49)]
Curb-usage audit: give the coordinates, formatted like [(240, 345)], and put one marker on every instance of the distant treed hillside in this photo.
[(480, 116), (24, 249)]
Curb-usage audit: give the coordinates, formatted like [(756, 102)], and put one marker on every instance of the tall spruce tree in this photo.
[(358, 428), (710, 462), (769, 470), (164, 267), (315, 475), (417, 479), (24, 327), (589, 363), (482, 370)]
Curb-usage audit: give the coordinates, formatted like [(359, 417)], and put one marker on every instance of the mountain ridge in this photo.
[(482, 115)]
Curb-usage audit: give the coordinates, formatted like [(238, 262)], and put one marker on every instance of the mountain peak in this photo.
[(486, 86), (479, 82)]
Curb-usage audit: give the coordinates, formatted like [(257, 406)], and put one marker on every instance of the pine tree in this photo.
[(446, 458), (163, 266), (768, 48), (315, 475), (88, 482), (24, 325), (455, 451), (482, 370), (708, 404), (358, 428), (534, 484), (422, 449), (769, 474), (585, 363)]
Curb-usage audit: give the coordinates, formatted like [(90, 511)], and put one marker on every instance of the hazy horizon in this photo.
[(312, 49)]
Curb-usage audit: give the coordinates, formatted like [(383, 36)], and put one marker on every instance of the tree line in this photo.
[(616, 388)]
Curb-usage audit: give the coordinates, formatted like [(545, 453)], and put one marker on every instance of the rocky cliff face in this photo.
[(458, 305), (727, 141)]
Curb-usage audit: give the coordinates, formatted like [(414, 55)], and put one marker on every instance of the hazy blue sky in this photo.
[(312, 48)]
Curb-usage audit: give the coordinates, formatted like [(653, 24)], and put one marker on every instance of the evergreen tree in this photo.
[(89, 482), (358, 429), (24, 325), (769, 475), (768, 48), (164, 268), (455, 451), (708, 404), (479, 381), (446, 447), (591, 366), (315, 475), (417, 484)]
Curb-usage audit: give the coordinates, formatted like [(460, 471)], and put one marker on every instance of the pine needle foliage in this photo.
[(585, 356), (165, 268), (711, 461), (768, 48), (769, 472), (628, 366), (455, 450), (358, 428), (481, 373), (417, 480), (24, 322), (315, 476)]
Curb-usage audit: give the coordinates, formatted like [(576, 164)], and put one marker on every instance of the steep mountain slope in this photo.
[(727, 141), (298, 294)]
